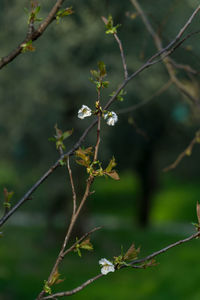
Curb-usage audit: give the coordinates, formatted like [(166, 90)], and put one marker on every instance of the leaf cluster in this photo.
[(85, 245), (27, 47), (33, 16), (197, 225), (94, 168), (98, 75), (120, 96), (109, 24), (125, 259), (55, 279), (63, 13), (59, 137), (7, 198)]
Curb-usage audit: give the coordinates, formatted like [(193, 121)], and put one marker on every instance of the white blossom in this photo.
[(107, 266), (111, 118), (84, 112)]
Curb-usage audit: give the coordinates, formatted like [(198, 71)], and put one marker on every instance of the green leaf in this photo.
[(79, 252), (67, 134), (95, 74), (52, 139), (27, 47), (86, 245), (111, 165), (62, 162), (102, 68), (84, 155), (132, 253), (55, 278), (7, 198), (63, 13), (46, 287), (105, 84), (120, 96), (37, 10), (198, 212), (113, 174), (110, 28)]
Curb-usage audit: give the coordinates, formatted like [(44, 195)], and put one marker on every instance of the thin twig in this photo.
[(68, 234), (32, 35), (122, 55), (75, 213), (135, 262), (81, 239), (136, 106), (72, 185), (98, 138), (166, 60), (120, 48), (186, 68), (186, 152), (149, 63), (76, 290), (163, 250)]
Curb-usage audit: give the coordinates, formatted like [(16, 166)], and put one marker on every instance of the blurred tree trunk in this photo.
[(147, 172)]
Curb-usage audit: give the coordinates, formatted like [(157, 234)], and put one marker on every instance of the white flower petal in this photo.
[(107, 266), (84, 112), (107, 269), (111, 118), (104, 261)]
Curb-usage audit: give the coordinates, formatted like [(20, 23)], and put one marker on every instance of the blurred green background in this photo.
[(147, 206)]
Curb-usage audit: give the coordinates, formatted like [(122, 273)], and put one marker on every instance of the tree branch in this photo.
[(72, 185), (166, 60), (136, 106), (186, 152), (163, 250), (135, 262), (32, 35), (151, 61), (76, 290)]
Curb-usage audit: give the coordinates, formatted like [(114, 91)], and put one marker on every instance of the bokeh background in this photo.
[(147, 206)]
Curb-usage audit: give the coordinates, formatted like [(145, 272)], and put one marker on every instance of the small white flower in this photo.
[(107, 266), (111, 118), (84, 112)]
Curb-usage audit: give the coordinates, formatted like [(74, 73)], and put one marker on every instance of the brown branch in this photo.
[(75, 213), (120, 48), (163, 250), (166, 60), (63, 253), (135, 262), (69, 231), (32, 34), (186, 152), (136, 106), (72, 185), (76, 290), (81, 239), (186, 68), (122, 55), (172, 45)]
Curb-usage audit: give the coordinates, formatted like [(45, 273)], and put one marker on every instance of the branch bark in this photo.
[(32, 35)]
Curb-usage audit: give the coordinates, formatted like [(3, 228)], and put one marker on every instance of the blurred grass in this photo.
[(26, 259), (28, 252)]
